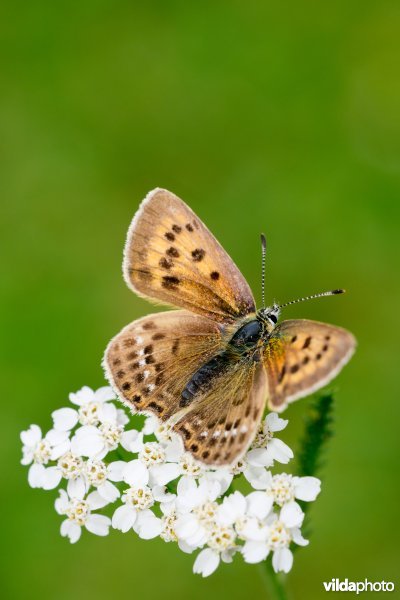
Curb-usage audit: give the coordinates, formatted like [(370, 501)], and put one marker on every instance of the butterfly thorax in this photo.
[(245, 344)]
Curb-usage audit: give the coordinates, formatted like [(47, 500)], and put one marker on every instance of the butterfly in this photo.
[(209, 369)]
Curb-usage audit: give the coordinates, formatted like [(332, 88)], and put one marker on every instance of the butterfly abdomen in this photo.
[(240, 345), (202, 379)]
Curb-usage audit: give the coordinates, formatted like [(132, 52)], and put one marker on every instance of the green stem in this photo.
[(272, 581)]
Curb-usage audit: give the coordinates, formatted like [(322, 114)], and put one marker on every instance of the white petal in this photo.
[(291, 514), (227, 555), (259, 457), (107, 413), (198, 539), (258, 477), (35, 475), (259, 504), (122, 418), (254, 552), (98, 524), (62, 502), (71, 530), (174, 450), (64, 419), (115, 470), (132, 440), (184, 546), (31, 436), (163, 474), (103, 394), (186, 485), (298, 538), (83, 396), (27, 457), (206, 562), (55, 437), (76, 488), (124, 518), (279, 451), (223, 476), (87, 441), (150, 425), (59, 450), (254, 531), (186, 526), (233, 507), (108, 491), (208, 489), (136, 473), (51, 478), (307, 488), (96, 501), (147, 525), (161, 494), (188, 496), (282, 560), (275, 423)]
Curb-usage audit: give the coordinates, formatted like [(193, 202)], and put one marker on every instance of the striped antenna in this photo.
[(264, 251), (330, 293)]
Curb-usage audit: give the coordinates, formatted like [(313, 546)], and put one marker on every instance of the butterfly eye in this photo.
[(272, 318)]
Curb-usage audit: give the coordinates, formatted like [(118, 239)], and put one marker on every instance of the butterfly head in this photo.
[(269, 316)]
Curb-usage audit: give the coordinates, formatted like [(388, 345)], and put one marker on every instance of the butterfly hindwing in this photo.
[(171, 257), (219, 426), (302, 356), (151, 360)]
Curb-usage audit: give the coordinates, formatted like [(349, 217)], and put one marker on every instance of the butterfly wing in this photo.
[(302, 356), (171, 257), (151, 360), (218, 428)]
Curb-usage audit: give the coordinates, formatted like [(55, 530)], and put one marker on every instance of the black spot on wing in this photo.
[(170, 282), (172, 252), (165, 263), (198, 254)]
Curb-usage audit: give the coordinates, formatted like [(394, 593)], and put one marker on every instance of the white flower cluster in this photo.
[(158, 489)]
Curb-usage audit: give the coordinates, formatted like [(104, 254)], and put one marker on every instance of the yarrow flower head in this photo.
[(156, 489)]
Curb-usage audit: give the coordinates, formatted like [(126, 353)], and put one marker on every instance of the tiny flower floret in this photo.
[(282, 488), (96, 472), (78, 511), (189, 466), (279, 536), (152, 453), (71, 465), (221, 538), (42, 452), (139, 498)]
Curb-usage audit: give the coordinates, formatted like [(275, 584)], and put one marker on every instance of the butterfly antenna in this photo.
[(330, 293), (264, 252)]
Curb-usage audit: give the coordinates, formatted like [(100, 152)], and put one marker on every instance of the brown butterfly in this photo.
[(209, 369)]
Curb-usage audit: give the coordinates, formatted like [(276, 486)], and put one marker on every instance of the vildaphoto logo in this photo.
[(335, 585)]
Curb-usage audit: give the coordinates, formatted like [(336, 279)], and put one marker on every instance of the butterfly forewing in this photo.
[(171, 257), (151, 360), (302, 356), (219, 426)]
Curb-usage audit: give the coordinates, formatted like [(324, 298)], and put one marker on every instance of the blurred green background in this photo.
[(282, 117)]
